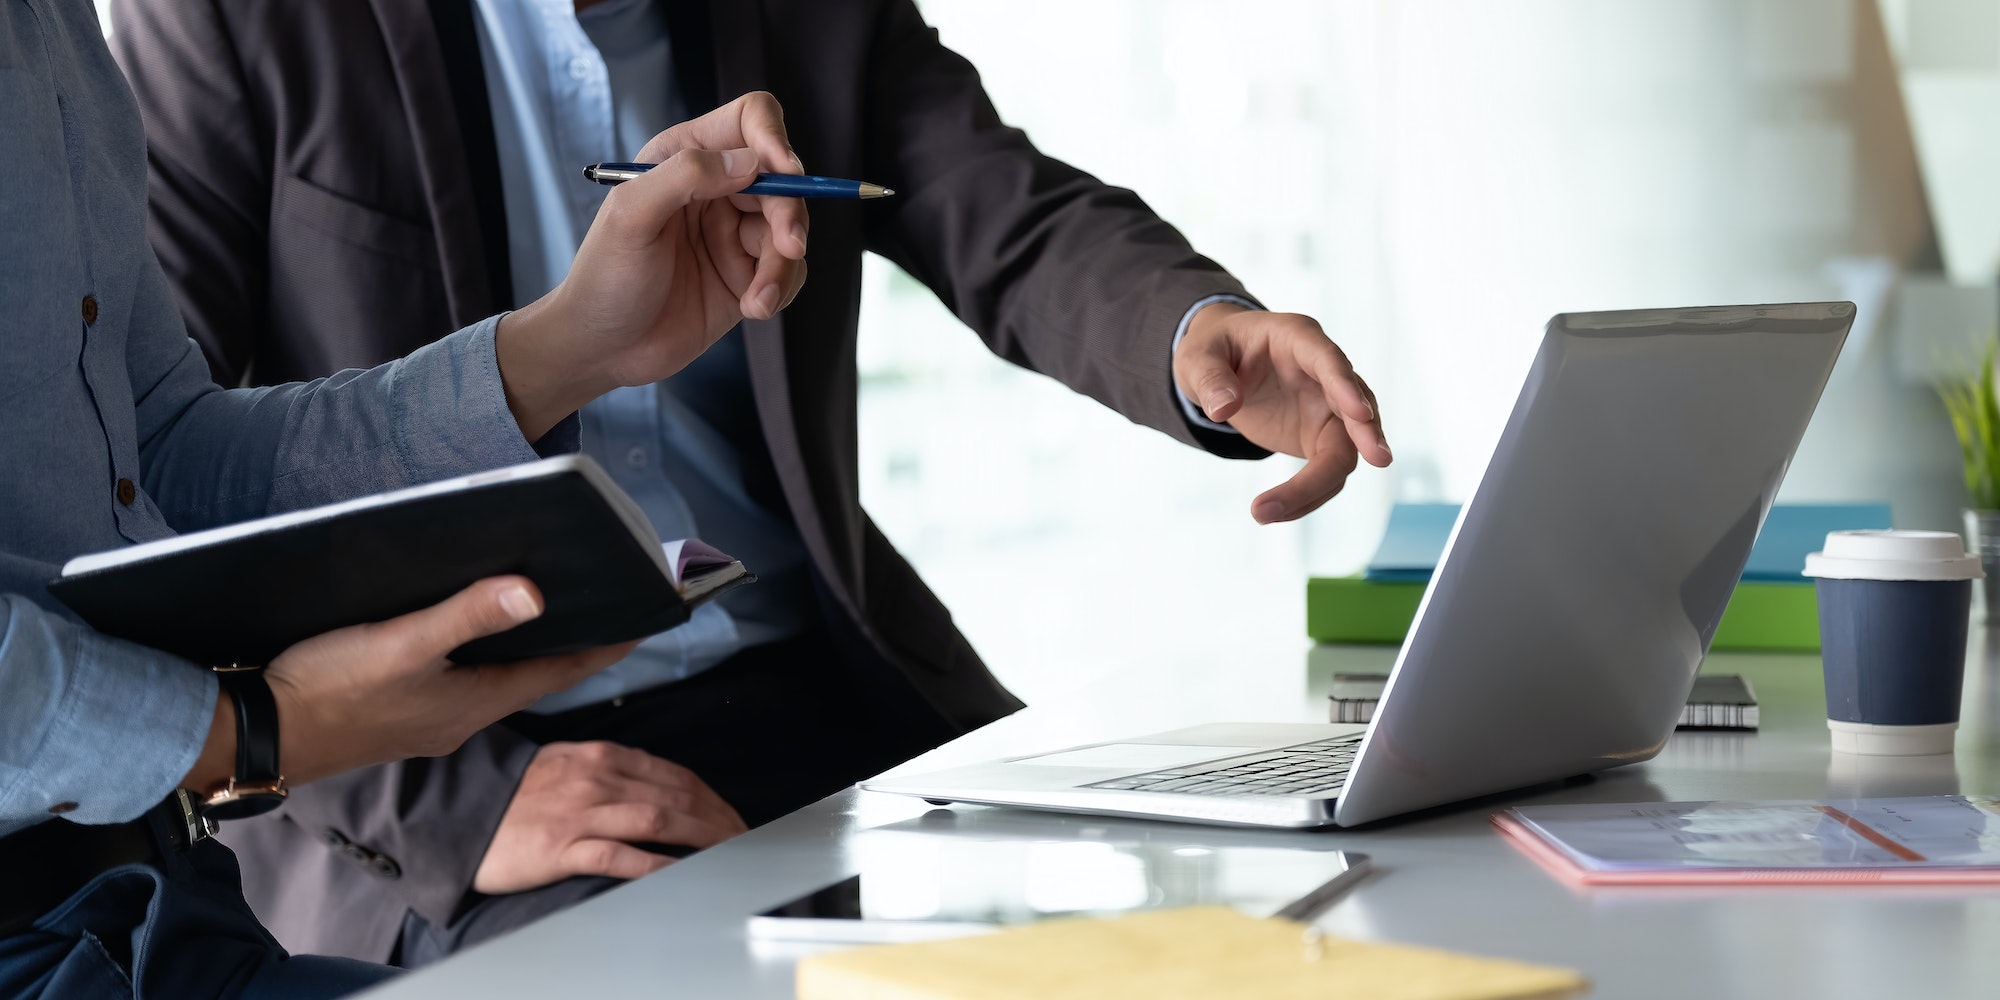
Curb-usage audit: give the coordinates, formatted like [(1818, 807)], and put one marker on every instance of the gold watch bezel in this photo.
[(234, 790)]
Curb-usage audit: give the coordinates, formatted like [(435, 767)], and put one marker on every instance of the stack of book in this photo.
[(1773, 608)]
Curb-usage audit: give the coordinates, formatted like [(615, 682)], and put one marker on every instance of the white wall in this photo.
[(1433, 179)]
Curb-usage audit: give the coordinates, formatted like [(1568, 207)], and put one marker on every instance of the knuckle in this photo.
[(554, 758), (595, 857), (596, 788), (670, 138), (486, 617), (658, 817)]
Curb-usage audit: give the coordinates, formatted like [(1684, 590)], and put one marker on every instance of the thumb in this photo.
[(1207, 373), (639, 208), (492, 605)]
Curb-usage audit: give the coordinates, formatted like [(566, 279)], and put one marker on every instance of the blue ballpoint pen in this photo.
[(781, 185)]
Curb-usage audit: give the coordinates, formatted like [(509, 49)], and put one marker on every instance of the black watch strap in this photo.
[(259, 785)]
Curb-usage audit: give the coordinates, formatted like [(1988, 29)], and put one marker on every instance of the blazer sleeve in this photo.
[(429, 818), (1056, 270), (209, 177)]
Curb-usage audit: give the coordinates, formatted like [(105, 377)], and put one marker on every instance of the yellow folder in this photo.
[(1199, 953)]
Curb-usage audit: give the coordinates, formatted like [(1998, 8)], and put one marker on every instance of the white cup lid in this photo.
[(1893, 555)]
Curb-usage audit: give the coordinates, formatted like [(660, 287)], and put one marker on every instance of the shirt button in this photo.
[(90, 310), (62, 807), (636, 458), (127, 492), (579, 68)]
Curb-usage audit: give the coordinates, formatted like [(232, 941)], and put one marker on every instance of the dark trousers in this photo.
[(172, 929), (772, 729)]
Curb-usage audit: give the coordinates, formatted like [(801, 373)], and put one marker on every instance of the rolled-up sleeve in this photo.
[(92, 728)]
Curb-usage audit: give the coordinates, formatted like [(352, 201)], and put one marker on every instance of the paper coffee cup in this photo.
[(1893, 611)]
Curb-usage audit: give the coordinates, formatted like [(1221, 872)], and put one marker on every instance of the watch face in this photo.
[(242, 801)]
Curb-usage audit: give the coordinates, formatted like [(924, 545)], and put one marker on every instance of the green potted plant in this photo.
[(1974, 407)]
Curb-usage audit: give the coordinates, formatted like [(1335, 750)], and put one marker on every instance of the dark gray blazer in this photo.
[(324, 196)]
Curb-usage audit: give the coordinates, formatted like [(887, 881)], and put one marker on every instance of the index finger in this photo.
[(755, 120), (1350, 400)]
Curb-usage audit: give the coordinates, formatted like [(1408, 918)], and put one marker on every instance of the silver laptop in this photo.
[(1563, 628)]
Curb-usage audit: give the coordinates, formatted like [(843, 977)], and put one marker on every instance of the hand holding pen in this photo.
[(789, 179), (763, 259), (673, 260)]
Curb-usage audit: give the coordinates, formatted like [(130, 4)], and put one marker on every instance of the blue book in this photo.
[(1414, 541), (1795, 530)]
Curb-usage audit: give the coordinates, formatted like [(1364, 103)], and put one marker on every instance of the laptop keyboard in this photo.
[(1306, 769)]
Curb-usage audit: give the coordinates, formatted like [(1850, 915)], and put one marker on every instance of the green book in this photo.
[(1763, 616)]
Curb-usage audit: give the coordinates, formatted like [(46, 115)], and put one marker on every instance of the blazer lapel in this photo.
[(424, 88), (737, 30)]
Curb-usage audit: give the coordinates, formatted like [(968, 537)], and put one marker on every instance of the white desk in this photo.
[(1447, 881)]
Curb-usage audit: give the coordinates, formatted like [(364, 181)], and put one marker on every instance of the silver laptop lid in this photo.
[(1587, 572)]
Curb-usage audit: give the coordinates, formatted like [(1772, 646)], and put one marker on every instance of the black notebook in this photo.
[(1718, 701), (244, 592)]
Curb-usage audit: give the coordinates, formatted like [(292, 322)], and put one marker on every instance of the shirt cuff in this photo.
[(110, 727), (452, 410), (1189, 410)]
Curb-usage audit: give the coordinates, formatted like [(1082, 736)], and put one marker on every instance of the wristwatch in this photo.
[(258, 786)]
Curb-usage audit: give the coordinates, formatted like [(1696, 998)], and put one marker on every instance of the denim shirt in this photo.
[(111, 431)]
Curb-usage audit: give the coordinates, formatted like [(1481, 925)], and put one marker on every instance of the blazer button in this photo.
[(90, 310), (127, 492), (385, 868), (333, 838)]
